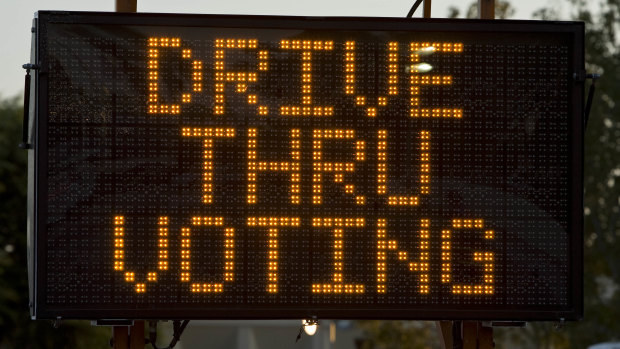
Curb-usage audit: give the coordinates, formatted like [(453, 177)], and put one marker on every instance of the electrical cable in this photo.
[(178, 329), (586, 112), (414, 8)]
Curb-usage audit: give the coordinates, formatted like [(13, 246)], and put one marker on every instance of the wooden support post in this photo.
[(444, 328), (136, 335), (469, 333), (126, 6), (128, 337), (485, 336), (486, 9), (465, 335), (120, 337), (427, 8)]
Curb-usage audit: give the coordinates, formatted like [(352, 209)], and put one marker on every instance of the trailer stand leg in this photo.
[(465, 335), (128, 337)]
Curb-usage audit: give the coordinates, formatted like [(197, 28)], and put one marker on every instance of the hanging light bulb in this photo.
[(310, 326)]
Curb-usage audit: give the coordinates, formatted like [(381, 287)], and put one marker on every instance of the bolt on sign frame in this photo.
[(200, 166)]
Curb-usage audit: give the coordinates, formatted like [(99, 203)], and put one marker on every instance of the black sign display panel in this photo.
[(286, 167)]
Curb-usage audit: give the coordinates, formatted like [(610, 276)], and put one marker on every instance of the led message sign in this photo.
[(283, 167)]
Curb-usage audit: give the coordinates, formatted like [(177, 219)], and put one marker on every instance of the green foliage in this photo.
[(398, 334), (16, 328), (602, 174)]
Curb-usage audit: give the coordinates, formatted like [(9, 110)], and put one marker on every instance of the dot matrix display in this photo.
[(234, 168)]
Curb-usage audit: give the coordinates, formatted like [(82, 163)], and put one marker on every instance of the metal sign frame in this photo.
[(38, 164)]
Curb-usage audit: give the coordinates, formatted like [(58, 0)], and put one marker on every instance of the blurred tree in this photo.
[(503, 10), (602, 169), (602, 194), (16, 328), (398, 334)]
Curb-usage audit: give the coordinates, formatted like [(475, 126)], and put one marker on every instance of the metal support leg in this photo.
[(465, 335), (120, 337), (444, 328), (486, 9), (427, 8), (128, 337), (136, 335), (469, 333), (485, 336), (126, 6)]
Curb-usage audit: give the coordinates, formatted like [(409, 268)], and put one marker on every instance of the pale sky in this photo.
[(16, 17)]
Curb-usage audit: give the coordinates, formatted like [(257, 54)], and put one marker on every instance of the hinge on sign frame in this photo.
[(586, 111), (580, 76), (24, 144)]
